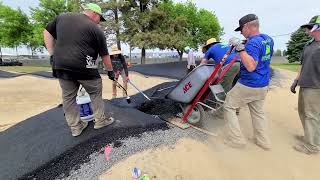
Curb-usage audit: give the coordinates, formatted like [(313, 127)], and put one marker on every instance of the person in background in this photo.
[(190, 59), (216, 50), (308, 79), (120, 68)]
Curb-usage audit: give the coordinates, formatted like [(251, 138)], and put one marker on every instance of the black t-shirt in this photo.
[(79, 41), (310, 70), (119, 63)]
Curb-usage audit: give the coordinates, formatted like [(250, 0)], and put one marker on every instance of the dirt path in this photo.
[(25, 96), (190, 160)]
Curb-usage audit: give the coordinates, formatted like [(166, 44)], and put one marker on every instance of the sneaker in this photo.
[(301, 148), (77, 131), (103, 123), (233, 144), (264, 147)]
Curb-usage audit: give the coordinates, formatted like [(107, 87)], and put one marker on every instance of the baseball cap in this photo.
[(314, 20), (95, 8), (245, 19)]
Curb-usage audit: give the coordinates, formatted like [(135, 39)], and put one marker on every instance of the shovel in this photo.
[(121, 87), (139, 90)]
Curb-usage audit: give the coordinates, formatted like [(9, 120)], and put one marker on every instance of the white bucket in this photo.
[(84, 102)]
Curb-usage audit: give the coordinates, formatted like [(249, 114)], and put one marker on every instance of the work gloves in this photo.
[(111, 75), (237, 44), (293, 86)]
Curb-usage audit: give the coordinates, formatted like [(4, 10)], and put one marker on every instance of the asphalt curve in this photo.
[(42, 147)]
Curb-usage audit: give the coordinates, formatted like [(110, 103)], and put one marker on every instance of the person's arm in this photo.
[(49, 42), (103, 52), (49, 36), (205, 58), (107, 62), (248, 61), (296, 80), (124, 64)]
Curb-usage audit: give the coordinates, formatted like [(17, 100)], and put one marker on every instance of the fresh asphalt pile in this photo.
[(159, 105)]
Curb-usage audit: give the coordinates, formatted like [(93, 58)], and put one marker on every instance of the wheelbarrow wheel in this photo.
[(197, 114)]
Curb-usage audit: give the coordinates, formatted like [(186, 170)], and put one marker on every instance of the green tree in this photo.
[(49, 9), (284, 53), (138, 24), (189, 25), (42, 15), (14, 27), (114, 25), (277, 52), (296, 44), (34, 39)]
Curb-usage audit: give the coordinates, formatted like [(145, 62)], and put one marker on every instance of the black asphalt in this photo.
[(42, 147), (5, 74), (43, 74), (175, 70)]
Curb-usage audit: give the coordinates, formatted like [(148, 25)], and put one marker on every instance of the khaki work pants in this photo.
[(70, 107), (309, 112), (238, 97)]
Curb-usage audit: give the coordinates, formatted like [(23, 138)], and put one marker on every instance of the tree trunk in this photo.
[(32, 52), (130, 53), (180, 55), (116, 18), (17, 51), (143, 55)]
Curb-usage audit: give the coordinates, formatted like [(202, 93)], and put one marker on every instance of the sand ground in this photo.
[(26, 96), (211, 159)]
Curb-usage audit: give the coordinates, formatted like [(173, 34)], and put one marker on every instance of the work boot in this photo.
[(232, 144), (301, 148), (103, 123), (263, 146), (76, 131)]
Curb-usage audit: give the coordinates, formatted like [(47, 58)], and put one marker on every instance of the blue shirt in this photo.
[(260, 47), (217, 51)]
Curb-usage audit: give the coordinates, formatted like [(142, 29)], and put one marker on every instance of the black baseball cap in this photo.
[(314, 20), (245, 19)]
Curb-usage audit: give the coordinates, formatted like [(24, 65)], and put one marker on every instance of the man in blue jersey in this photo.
[(215, 50), (252, 87)]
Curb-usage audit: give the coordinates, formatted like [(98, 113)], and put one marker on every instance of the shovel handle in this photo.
[(139, 90)]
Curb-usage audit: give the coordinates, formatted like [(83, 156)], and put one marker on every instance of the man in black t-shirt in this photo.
[(74, 41)]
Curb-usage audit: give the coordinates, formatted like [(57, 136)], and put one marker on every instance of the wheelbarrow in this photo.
[(192, 91)]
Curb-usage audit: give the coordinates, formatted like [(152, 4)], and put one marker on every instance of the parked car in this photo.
[(10, 62)]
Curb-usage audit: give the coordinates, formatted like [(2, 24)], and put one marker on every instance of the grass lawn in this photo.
[(24, 69), (291, 67)]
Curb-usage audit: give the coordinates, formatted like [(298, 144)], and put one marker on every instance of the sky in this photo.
[(277, 17)]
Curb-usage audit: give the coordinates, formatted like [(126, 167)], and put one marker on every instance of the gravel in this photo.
[(122, 149)]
